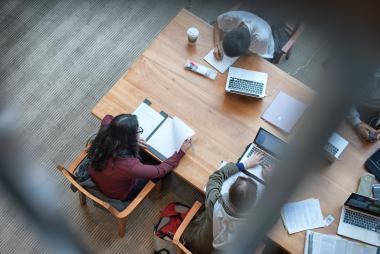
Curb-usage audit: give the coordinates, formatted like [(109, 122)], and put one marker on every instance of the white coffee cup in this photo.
[(192, 35)]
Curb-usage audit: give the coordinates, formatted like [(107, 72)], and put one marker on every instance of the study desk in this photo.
[(224, 123)]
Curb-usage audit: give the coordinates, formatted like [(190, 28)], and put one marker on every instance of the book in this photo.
[(318, 243), (163, 134), (302, 215)]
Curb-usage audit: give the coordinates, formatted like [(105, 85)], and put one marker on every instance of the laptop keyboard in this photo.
[(361, 220), (331, 149), (266, 159), (245, 86)]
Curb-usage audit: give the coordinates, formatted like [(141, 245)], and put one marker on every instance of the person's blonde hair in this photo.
[(243, 193)]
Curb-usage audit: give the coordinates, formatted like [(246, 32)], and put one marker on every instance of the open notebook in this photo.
[(163, 134)]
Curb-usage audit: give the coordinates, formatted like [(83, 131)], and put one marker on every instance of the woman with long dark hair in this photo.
[(115, 162)]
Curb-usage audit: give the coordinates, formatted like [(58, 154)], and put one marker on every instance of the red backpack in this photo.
[(170, 219)]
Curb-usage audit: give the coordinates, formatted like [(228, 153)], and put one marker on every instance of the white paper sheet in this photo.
[(302, 215), (163, 139), (222, 65), (170, 136), (148, 119), (181, 132), (317, 243)]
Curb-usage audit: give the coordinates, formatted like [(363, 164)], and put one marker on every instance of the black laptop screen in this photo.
[(270, 143), (363, 203)]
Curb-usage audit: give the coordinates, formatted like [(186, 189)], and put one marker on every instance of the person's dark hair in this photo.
[(236, 42), (242, 193), (118, 137)]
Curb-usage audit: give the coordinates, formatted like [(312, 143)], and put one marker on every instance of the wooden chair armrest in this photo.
[(84, 191), (190, 215), (142, 195), (183, 248), (293, 39), (80, 157)]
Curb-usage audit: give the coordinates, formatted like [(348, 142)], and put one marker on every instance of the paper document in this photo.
[(302, 215), (169, 137), (222, 65), (317, 243), (148, 119)]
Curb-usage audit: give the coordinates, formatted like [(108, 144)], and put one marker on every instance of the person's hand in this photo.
[(218, 52), (142, 143), (267, 172), (254, 160), (367, 132), (186, 145)]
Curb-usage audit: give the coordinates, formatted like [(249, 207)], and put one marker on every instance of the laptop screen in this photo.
[(270, 143), (363, 203)]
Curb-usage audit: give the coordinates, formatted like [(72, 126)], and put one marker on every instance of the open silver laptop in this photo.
[(360, 219), (265, 142), (246, 82)]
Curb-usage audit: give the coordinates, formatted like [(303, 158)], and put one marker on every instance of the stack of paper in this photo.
[(317, 243), (302, 215)]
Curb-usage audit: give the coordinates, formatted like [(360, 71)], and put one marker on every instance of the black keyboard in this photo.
[(331, 149), (246, 86), (361, 220), (266, 159)]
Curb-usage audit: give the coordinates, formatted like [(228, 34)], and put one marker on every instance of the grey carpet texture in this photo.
[(57, 59)]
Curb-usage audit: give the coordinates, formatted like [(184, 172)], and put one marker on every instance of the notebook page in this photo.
[(163, 139), (148, 119), (181, 132), (222, 65)]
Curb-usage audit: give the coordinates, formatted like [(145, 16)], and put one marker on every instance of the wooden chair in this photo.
[(121, 217), (190, 215), (177, 236), (294, 31)]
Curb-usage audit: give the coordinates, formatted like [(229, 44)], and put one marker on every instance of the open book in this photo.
[(163, 134), (317, 243)]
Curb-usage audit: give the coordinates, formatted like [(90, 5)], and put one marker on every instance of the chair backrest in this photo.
[(186, 221), (295, 33), (81, 189)]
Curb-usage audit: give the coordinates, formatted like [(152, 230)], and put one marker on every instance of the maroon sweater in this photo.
[(121, 174)]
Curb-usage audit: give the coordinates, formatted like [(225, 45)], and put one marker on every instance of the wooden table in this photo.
[(225, 123)]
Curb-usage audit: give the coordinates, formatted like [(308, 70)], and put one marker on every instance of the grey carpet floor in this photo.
[(57, 59)]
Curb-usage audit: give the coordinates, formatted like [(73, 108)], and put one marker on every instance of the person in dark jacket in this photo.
[(115, 163)]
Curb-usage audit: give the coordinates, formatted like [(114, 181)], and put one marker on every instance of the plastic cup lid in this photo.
[(193, 32)]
